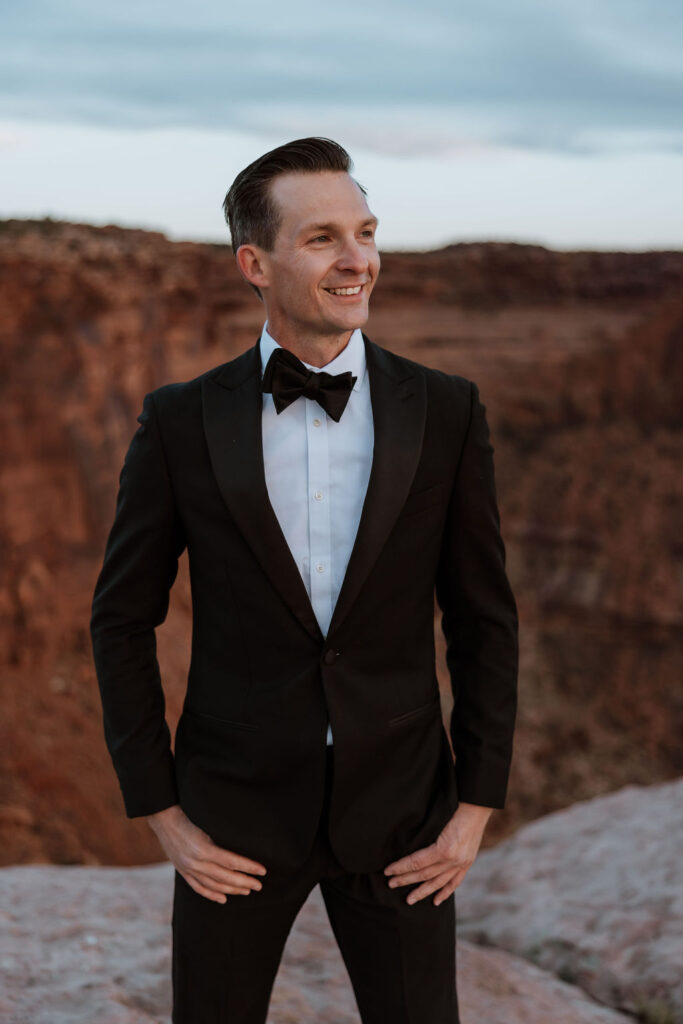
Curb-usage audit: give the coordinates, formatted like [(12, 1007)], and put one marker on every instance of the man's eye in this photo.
[(320, 238)]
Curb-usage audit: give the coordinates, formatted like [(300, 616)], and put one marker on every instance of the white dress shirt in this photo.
[(317, 474)]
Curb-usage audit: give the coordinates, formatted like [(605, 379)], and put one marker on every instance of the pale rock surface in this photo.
[(593, 893), (81, 945)]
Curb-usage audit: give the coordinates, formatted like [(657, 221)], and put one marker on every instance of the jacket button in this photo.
[(330, 656)]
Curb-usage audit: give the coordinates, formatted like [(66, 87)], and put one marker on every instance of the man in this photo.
[(324, 488)]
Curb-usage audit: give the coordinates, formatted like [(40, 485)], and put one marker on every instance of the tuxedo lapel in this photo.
[(232, 404), (399, 408)]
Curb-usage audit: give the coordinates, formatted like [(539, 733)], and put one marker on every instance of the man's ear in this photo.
[(250, 260)]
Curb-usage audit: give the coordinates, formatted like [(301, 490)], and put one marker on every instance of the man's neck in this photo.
[(315, 350)]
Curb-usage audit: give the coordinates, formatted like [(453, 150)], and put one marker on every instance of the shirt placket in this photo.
[(319, 513)]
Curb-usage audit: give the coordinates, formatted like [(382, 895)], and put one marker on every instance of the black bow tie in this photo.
[(288, 378)]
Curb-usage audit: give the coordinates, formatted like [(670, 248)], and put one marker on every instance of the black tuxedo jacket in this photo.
[(249, 756)]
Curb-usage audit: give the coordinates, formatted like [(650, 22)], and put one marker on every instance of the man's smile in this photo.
[(355, 290)]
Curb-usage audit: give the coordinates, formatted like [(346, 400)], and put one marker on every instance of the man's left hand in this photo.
[(444, 864)]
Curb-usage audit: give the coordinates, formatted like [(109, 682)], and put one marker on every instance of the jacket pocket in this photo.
[(423, 709), (223, 721), (420, 501)]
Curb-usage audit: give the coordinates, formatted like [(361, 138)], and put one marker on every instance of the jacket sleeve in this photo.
[(130, 600), (479, 621)]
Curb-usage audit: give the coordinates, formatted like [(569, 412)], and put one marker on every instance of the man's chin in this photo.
[(349, 313), (353, 320)]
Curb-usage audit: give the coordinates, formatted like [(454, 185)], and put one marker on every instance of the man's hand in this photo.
[(211, 870), (444, 864)]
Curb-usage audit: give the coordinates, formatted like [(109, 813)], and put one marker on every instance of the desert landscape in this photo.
[(579, 360)]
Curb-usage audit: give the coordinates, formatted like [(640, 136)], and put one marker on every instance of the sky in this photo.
[(558, 122)]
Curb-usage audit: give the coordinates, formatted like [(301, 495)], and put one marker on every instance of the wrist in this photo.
[(474, 811), (163, 817)]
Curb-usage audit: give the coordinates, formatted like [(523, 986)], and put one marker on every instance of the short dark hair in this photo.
[(249, 210)]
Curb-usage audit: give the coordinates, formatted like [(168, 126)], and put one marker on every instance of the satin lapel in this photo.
[(232, 401), (399, 408)]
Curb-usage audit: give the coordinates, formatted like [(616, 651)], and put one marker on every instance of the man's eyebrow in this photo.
[(333, 227)]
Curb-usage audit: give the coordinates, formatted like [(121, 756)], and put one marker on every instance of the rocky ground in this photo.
[(577, 918), (594, 894), (85, 945)]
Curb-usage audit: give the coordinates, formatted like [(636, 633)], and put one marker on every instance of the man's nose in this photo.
[(353, 257)]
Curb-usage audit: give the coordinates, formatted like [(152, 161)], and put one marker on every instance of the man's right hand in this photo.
[(211, 870)]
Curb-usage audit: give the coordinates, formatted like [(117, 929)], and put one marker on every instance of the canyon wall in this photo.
[(579, 360)]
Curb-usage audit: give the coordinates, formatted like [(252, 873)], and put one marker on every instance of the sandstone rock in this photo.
[(498, 988), (85, 945), (593, 893)]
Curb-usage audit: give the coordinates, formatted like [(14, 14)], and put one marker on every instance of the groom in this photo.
[(325, 489)]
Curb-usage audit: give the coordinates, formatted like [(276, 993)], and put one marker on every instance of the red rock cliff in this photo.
[(578, 357)]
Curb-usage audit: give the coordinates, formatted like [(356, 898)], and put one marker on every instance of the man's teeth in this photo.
[(345, 291)]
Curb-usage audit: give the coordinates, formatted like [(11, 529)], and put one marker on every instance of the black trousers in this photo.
[(400, 958)]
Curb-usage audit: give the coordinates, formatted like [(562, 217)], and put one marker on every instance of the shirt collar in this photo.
[(352, 357)]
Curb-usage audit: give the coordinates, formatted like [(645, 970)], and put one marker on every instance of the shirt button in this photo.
[(318, 495), (320, 567), (316, 422)]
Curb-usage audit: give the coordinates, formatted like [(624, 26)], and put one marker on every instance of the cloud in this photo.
[(567, 76)]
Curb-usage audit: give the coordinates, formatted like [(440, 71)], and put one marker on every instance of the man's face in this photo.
[(324, 263)]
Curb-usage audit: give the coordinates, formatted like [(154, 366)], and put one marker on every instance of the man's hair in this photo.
[(249, 210)]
